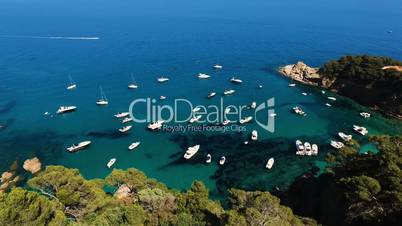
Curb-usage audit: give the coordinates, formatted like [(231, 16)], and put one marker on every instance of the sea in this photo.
[(107, 43)]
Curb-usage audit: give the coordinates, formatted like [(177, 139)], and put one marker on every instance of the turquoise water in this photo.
[(180, 39)]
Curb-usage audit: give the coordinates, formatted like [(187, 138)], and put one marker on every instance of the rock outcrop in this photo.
[(304, 74), (32, 165)]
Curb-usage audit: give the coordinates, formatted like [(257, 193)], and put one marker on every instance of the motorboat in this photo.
[(254, 135), (212, 94), (162, 79), (79, 146), (328, 105), (65, 109), (246, 120), (270, 163), (226, 122), (260, 86), (162, 98), (191, 151), (46, 113), (156, 125), (111, 163), (272, 115), (299, 148), (314, 148), (307, 148), (228, 92), (253, 105), (298, 110), (344, 136), (134, 145), (331, 98), (203, 76), (360, 129), (323, 91), (195, 119), (304, 94), (292, 84), (208, 159), (196, 109), (337, 144), (222, 160), (133, 84), (217, 66), (71, 84), (122, 115), (125, 129), (245, 142), (127, 119), (102, 100), (365, 114), (236, 80)]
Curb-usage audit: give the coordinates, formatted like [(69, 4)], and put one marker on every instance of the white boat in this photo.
[(133, 84), (254, 135), (46, 113), (127, 119), (222, 160), (196, 109), (253, 105), (122, 115), (304, 94), (292, 84), (203, 76), (79, 146), (314, 148), (227, 110), (360, 129), (337, 144), (191, 151), (260, 86), (307, 148), (246, 120), (331, 98), (344, 136), (328, 104), (134, 145), (300, 148), (323, 91), (212, 94), (103, 100), (270, 163), (209, 158), (245, 142), (365, 114), (298, 110), (272, 115), (111, 163), (228, 92), (217, 66), (72, 84), (162, 98), (226, 122), (236, 80), (195, 119), (156, 125), (125, 129), (162, 79), (65, 109)]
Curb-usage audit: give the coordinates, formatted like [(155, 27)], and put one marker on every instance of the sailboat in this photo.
[(72, 84), (103, 100), (133, 84)]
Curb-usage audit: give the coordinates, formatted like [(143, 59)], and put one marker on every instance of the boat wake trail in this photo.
[(48, 37)]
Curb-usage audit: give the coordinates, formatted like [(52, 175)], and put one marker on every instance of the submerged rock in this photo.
[(32, 165)]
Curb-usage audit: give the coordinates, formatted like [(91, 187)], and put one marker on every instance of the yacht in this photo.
[(236, 80), (133, 84), (292, 84), (122, 115), (360, 129), (246, 120), (203, 76), (65, 109), (307, 148), (331, 98), (79, 146), (226, 122), (222, 160), (254, 135), (314, 148), (299, 148), (337, 144), (298, 110), (344, 136), (196, 109), (72, 84), (162, 79), (134, 145), (162, 98), (195, 119), (217, 66), (212, 94), (125, 129), (228, 92), (111, 163), (103, 100), (127, 119), (365, 114), (253, 105), (270, 163), (191, 151), (209, 158), (156, 125)]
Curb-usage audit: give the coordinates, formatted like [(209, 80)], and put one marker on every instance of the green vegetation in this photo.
[(362, 189), (61, 196)]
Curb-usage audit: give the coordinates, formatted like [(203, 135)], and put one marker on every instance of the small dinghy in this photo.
[(195, 119), (222, 160), (134, 145), (228, 92), (226, 122), (254, 135), (365, 114), (162, 98), (331, 98), (208, 159), (328, 105), (253, 105), (298, 110), (270, 163), (162, 79), (196, 109)]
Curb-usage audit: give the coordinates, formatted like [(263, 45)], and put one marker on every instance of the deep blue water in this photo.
[(180, 39)]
